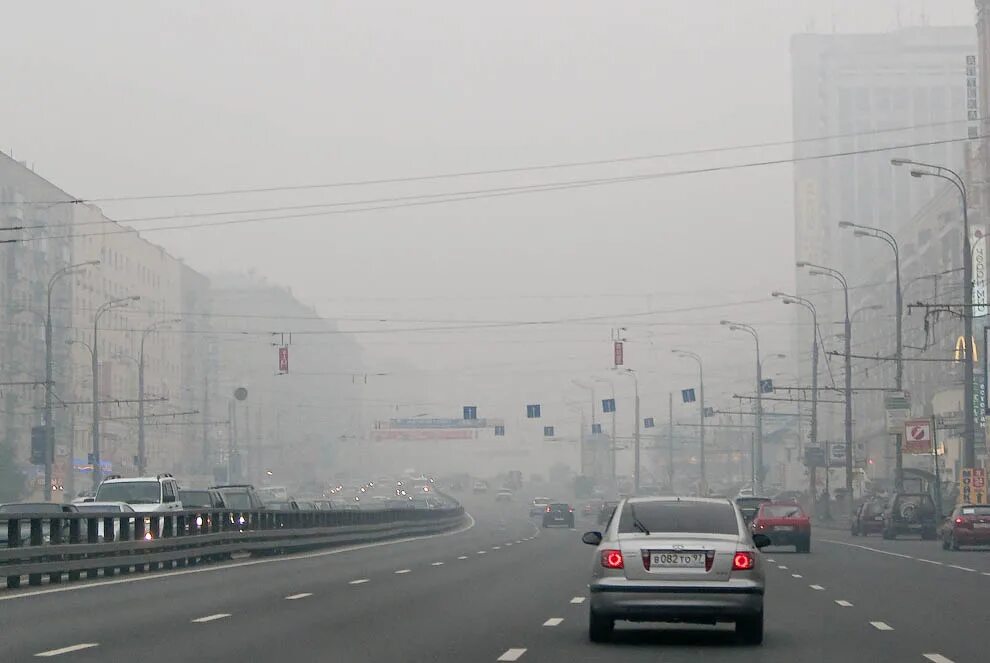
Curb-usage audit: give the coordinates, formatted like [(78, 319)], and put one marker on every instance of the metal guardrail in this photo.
[(72, 544)]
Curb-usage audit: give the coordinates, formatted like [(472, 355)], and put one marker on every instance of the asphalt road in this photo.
[(502, 589)]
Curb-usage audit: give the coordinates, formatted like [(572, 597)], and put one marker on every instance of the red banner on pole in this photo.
[(618, 353), (283, 359)]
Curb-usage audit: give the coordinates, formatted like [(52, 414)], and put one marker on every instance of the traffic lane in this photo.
[(173, 595), (801, 625), (471, 609), (940, 608), (977, 558)]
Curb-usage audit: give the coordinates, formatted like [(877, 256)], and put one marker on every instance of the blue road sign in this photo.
[(499, 431), (687, 395), (548, 431), (533, 411), (648, 422), (709, 412), (766, 386), (608, 405), (470, 412), (596, 429)]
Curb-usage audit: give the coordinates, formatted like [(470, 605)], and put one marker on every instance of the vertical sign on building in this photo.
[(283, 359), (978, 245), (618, 353), (972, 98)]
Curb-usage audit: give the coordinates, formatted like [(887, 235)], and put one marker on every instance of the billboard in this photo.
[(978, 245)]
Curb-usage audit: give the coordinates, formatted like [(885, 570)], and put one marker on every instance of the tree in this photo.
[(12, 478)]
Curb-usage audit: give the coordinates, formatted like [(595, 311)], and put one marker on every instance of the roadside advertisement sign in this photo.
[(917, 436), (283, 359), (618, 353), (837, 455), (978, 244), (973, 486), (898, 407)]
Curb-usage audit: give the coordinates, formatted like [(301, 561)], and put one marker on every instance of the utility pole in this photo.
[(142, 448), (636, 453), (670, 439), (758, 455), (703, 485)]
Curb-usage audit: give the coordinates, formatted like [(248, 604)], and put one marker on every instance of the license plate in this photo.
[(784, 528), (677, 560), (981, 525)]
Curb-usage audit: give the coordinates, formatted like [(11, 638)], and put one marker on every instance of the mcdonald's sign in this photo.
[(960, 350)]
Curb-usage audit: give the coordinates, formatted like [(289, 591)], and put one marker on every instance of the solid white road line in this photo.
[(437, 564), (929, 561), (937, 658), (876, 550), (553, 621), (237, 565), (817, 588), (796, 575), (962, 568), (844, 604), (402, 571), (211, 618), (882, 626), (68, 650), (511, 655), (577, 599), (359, 581), (296, 597)]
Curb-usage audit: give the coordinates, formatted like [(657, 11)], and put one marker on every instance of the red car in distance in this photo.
[(785, 523), (969, 525)]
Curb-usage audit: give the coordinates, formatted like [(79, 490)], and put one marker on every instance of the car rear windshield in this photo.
[(194, 498), (681, 517), (559, 507), (236, 499), (782, 511), (975, 511), (132, 492)]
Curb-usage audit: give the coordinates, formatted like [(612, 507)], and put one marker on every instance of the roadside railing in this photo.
[(70, 545)]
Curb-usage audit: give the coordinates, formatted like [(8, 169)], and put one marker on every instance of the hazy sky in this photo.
[(122, 98)]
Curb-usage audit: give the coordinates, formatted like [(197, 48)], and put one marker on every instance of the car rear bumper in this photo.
[(633, 601), (966, 537), (785, 538)]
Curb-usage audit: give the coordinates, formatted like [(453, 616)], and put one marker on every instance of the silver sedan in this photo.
[(677, 559)]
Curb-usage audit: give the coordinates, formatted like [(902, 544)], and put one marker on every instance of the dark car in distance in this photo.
[(868, 519), (969, 525), (241, 496), (910, 513), (559, 514), (209, 498)]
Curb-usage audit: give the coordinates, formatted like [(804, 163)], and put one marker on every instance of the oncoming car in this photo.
[(670, 559)]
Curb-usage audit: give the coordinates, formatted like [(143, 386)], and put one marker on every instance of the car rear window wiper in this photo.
[(637, 523)]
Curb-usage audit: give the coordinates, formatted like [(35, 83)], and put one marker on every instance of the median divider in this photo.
[(67, 545)]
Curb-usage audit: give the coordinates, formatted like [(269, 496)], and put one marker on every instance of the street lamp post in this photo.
[(95, 349), (612, 450), (142, 449), (813, 438), (703, 488), (879, 233), (818, 270), (758, 473), (969, 423), (49, 370), (630, 372)]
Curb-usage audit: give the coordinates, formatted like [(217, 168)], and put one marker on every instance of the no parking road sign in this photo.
[(917, 436)]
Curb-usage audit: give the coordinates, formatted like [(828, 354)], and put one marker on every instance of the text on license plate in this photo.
[(784, 528), (688, 560), (981, 525)]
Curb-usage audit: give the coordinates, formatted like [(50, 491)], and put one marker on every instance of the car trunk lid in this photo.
[(680, 557)]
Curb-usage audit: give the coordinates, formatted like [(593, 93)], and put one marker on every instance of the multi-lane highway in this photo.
[(500, 589)]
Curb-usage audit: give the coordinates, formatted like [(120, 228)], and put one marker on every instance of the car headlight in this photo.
[(147, 536), (241, 520), (199, 521)]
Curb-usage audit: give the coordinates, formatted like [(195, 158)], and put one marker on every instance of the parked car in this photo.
[(868, 519), (910, 513), (749, 505), (559, 514), (682, 560), (968, 525), (785, 524)]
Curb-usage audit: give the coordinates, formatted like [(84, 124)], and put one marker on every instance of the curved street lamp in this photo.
[(758, 461)]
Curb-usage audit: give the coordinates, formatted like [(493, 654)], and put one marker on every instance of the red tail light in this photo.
[(743, 561), (548, 509), (612, 559), (959, 521), (571, 510)]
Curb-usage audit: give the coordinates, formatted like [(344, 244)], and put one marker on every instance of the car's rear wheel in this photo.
[(854, 530), (600, 628), (750, 629), (804, 546), (953, 544), (945, 543)]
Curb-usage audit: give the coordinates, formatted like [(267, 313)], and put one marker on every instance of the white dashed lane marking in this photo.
[(211, 618), (496, 547), (511, 655), (796, 575), (437, 564), (67, 650), (482, 552), (577, 599), (782, 567), (553, 621), (882, 626), (296, 597), (359, 581), (402, 571), (462, 557), (844, 604), (817, 588), (771, 560), (937, 658)]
